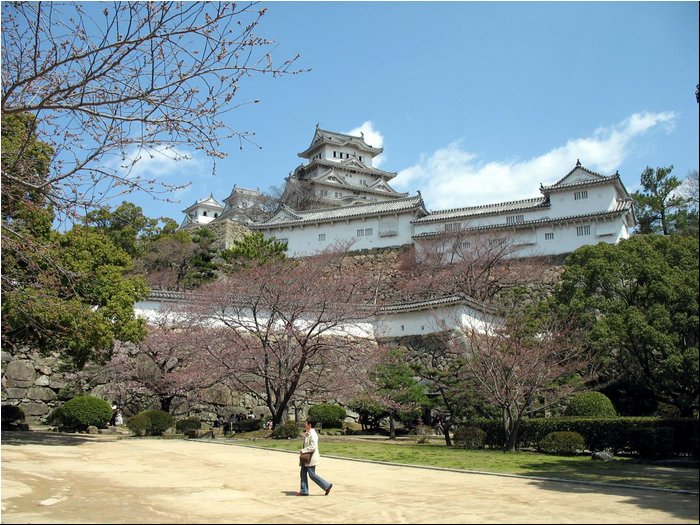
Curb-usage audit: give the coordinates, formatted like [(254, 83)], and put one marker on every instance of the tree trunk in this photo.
[(447, 425), (392, 429), (512, 436)]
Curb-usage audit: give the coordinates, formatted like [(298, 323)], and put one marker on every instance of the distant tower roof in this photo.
[(331, 138)]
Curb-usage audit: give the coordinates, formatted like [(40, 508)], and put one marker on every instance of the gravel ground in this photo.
[(49, 477)]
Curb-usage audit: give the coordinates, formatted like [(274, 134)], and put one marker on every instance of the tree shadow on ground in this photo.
[(34, 437), (680, 505)]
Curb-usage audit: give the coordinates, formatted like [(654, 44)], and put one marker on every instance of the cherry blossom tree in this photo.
[(524, 361), (171, 362), (289, 331), (111, 83)]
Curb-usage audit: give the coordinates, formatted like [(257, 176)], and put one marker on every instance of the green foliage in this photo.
[(638, 302), (591, 404), (469, 437), (651, 443), (138, 424), (150, 423), (287, 430), (370, 413), (127, 227), (248, 425), (159, 422), (253, 248), (84, 411), (11, 415), (191, 423), (562, 443), (329, 415), (659, 204), (610, 433)]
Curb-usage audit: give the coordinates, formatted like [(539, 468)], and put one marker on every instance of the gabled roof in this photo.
[(485, 209), (207, 202), (323, 137), (244, 192), (583, 177), (286, 216)]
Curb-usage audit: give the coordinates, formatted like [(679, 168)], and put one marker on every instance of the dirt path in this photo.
[(52, 478)]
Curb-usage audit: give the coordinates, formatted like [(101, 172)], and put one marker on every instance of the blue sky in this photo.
[(473, 102)]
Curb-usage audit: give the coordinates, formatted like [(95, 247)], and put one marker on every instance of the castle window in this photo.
[(453, 227), (361, 232), (360, 158), (334, 154), (321, 237), (204, 214), (579, 195), (549, 236), (216, 215), (515, 219), (582, 231), (368, 232)]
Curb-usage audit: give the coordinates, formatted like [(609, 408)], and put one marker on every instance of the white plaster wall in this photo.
[(304, 240)]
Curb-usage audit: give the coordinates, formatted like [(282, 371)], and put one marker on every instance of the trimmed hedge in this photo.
[(150, 423), (191, 423), (330, 416), (84, 411), (160, 421), (469, 437), (287, 430), (614, 433), (591, 404), (562, 443)]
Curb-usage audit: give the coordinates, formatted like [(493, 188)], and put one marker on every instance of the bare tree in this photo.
[(288, 331), (472, 264), (110, 83), (522, 363)]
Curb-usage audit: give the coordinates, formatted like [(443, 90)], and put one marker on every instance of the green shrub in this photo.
[(591, 404), (248, 425), (11, 416), (138, 424), (191, 423), (159, 422), (562, 443), (84, 411), (469, 437), (328, 415), (287, 430), (651, 443)]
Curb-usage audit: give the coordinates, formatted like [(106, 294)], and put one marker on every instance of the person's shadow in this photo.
[(289, 492)]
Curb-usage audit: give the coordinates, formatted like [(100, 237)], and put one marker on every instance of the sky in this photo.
[(472, 102)]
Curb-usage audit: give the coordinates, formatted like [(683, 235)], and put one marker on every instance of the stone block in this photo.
[(43, 380), (40, 393), (19, 373), (16, 393), (92, 429), (35, 409)]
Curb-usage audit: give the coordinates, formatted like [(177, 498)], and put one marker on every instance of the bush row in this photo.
[(645, 436)]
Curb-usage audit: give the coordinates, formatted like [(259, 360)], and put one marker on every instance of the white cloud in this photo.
[(156, 163), (372, 137), (452, 177)]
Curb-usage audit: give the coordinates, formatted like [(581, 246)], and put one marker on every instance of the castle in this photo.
[(338, 196)]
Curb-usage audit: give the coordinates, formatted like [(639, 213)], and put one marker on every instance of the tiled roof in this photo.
[(346, 212), (447, 300), (622, 206), (485, 209), (354, 168), (322, 136), (561, 187), (207, 201)]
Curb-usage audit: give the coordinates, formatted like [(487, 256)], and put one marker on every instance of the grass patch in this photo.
[(627, 471)]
